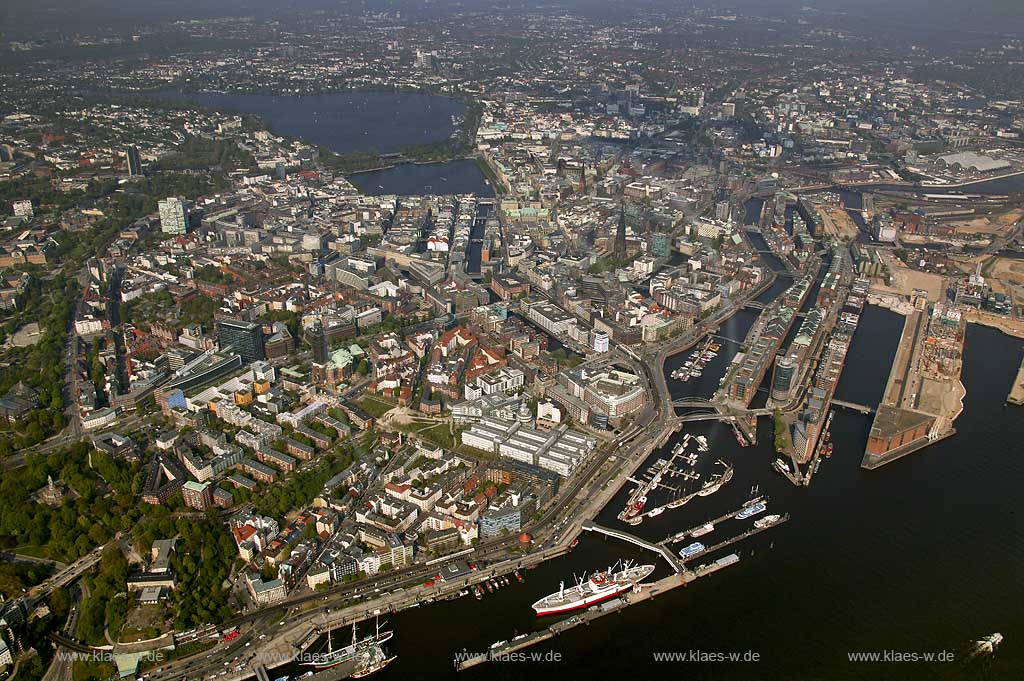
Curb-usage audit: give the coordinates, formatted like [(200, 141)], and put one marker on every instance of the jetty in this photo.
[(1016, 395)]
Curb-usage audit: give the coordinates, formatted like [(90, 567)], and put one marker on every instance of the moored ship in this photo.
[(600, 586), (767, 521), (752, 509), (716, 481), (332, 657), (692, 550), (702, 530)]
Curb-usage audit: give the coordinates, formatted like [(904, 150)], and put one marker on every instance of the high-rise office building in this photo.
[(318, 339), (722, 211), (619, 251), (173, 215), (661, 245), (241, 337), (134, 160), (782, 383)]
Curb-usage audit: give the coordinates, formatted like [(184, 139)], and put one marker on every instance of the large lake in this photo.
[(454, 177), (384, 122)]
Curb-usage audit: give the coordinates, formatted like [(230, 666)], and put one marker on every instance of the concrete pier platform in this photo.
[(1016, 395)]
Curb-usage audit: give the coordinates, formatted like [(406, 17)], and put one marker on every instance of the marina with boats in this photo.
[(694, 365), (679, 476)]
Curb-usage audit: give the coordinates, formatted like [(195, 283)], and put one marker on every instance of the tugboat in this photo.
[(478, 592), (518, 576)]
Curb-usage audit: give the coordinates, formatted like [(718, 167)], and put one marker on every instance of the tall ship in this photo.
[(371, 659), (716, 481), (600, 586), (332, 657)]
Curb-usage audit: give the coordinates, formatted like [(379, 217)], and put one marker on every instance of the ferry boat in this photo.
[(703, 529), (767, 521), (332, 657), (751, 510), (600, 586), (692, 550)]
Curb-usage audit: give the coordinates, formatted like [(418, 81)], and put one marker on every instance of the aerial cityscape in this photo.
[(511, 340)]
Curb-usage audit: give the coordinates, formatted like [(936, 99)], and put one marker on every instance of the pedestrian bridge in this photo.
[(862, 408), (666, 553), (693, 402)]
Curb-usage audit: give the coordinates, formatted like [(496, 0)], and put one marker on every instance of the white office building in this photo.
[(173, 215)]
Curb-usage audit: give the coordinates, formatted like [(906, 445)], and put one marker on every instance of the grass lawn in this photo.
[(375, 406)]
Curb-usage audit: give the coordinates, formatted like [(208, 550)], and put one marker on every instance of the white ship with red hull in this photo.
[(599, 587)]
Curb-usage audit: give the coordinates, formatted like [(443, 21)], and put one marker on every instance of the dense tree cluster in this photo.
[(74, 528)]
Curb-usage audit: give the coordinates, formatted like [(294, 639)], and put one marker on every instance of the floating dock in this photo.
[(1016, 395)]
